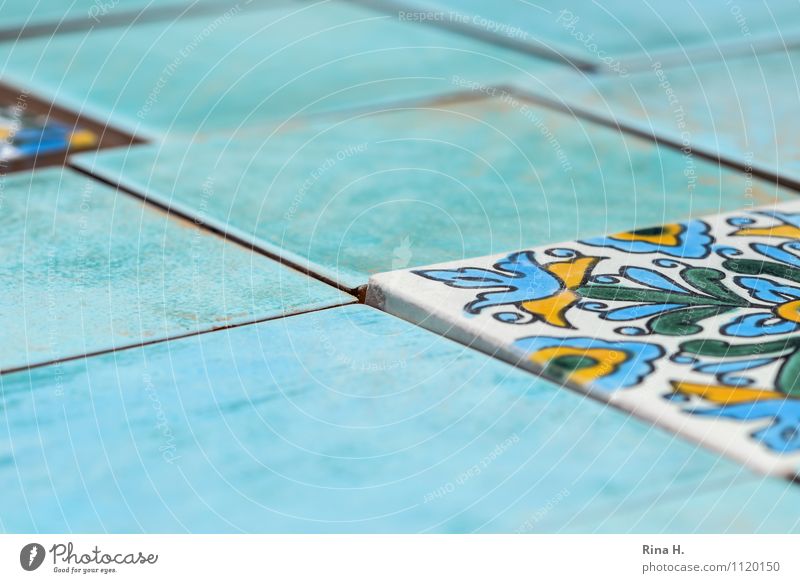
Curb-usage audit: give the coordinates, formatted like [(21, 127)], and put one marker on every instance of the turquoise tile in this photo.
[(753, 507), (612, 35), (344, 420), (23, 15), (86, 269), (355, 195), (742, 110), (245, 65)]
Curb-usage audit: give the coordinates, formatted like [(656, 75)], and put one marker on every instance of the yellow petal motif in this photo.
[(667, 237), (572, 273), (82, 139), (553, 308), (724, 394), (789, 311), (780, 232), (605, 361)]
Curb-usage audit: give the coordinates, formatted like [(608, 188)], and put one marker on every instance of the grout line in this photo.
[(251, 242), (164, 340), (533, 47), (627, 127), (130, 17), (361, 293), (250, 245), (764, 44), (705, 52)]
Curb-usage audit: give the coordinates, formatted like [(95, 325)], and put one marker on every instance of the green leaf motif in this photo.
[(757, 267), (684, 306), (685, 322)]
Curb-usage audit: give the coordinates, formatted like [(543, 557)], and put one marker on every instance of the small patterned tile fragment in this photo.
[(85, 269), (28, 136), (341, 420), (359, 194), (693, 325), (37, 134), (612, 35)]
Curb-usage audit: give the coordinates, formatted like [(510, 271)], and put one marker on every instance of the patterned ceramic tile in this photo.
[(248, 65), (356, 195), (341, 420), (692, 325), (741, 110), (84, 269), (612, 35)]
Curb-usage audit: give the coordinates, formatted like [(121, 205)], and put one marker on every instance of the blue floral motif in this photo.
[(728, 372), (537, 292), (600, 364), (789, 227), (737, 397), (781, 315), (690, 240), (784, 253), (781, 435), (646, 277)]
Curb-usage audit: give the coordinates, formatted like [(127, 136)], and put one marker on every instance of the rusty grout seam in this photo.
[(250, 245), (628, 127), (763, 44), (165, 339), (704, 52), (538, 49)]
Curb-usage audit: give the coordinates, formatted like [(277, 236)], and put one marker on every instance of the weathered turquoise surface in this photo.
[(767, 506), (356, 195), (85, 269), (22, 14), (613, 35), (342, 420), (247, 65), (742, 109)]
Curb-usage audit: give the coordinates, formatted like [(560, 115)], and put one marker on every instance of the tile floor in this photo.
[(183, 352)]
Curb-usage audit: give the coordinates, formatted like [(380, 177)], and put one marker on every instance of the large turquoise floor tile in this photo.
[(236, 69), (85, 269), (742, 109), (762, 507), (338, 420), (613, 35), (351, 196)]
